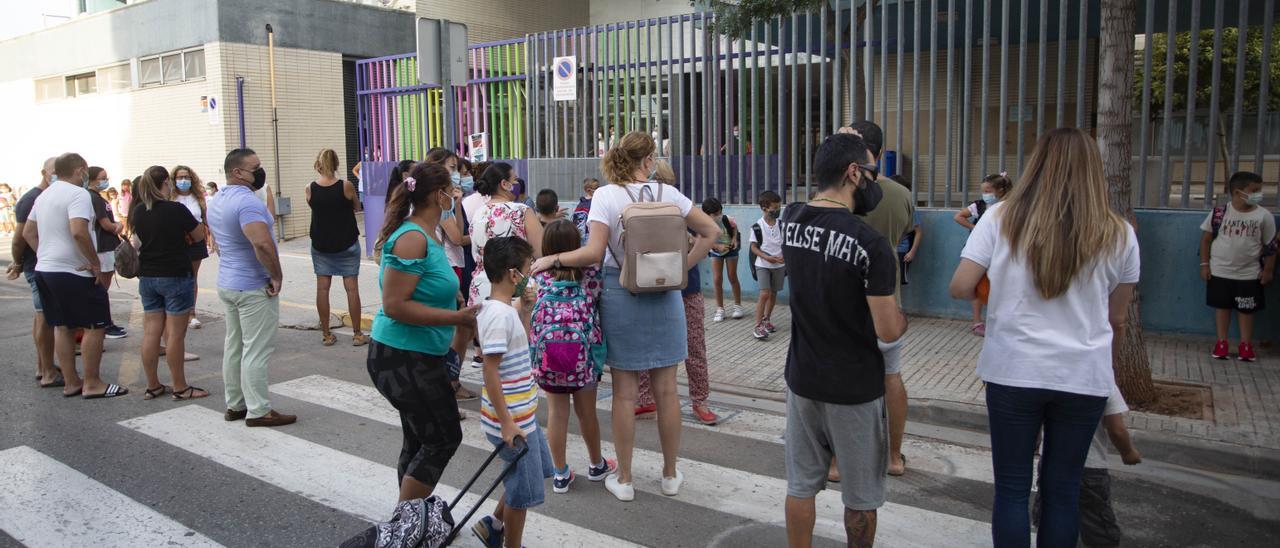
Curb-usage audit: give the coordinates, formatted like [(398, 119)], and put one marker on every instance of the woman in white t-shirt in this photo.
[(1063, 267), (188, 190), (644, 332)]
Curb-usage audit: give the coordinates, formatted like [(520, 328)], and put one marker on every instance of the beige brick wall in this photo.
[(310, 109), (491, 20)]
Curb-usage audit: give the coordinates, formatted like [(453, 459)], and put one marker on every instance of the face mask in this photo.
[(103, 185), (468, 184), (866, 197), (1253, 199), (522, 285), (772, 214), (184, 185), (259, 178), (84, 182), (989, 198), (517, 189), (448, 211), (456, 178)]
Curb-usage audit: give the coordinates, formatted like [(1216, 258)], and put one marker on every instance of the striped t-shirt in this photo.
[(502, 332)]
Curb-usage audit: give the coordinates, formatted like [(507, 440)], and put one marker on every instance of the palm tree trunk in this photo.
[(1115, 140)]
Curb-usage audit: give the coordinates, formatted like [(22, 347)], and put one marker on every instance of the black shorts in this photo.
[(71, 300), (1244, 296)]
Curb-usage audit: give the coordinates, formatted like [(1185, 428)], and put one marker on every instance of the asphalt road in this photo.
[(128, 472)]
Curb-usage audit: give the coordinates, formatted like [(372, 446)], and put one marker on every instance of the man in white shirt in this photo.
[(69, 278)]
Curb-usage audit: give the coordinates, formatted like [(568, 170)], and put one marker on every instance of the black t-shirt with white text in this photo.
[(163, 232), (835, 260)]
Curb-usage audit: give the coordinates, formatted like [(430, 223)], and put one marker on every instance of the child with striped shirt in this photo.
[(504, 341)]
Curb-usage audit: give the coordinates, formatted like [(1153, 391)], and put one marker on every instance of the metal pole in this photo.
[(1213, 101), (1044, 58), (1237, 117), (1143, 132), (838, 53), (966, 99), (678, 118), (822, 69), (240, 110), (915, 106), (1268, 18), (868, 67), (447, 91), (1082, 48), (898, 128), (808, 103), (755, 110), (795, 94), (740, 96), (1063, 8), (982, 137), (1004, 79), (853, 62), (1166, 145), (1193, 56), (933, 99), (951, 62), (275, 126), (884, 69)]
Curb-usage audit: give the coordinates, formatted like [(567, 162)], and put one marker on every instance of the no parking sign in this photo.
[(565, 78)]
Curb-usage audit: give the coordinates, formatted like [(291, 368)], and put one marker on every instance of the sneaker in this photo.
[(705, 416), (1246, 352), (735, 312), (484, 530), (760, 332), (718, 316), (671, 486), (194, 323), (768, 326), (624, 492), (1221, 351), (559, 483), (979, 329), (646, 411), (115, 332), (597, 472), (477, 361)]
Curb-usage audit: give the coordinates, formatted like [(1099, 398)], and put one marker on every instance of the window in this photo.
[(171, 65), (49, 89), (149, 72), (192, 64), (113, 79), (82, 84)]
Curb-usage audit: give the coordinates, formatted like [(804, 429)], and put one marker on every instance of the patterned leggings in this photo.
[(695, 366), (417, 385)]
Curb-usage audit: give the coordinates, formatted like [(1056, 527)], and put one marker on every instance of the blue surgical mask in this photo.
[(456, 177), (1253, 198), (184, 185), (989, 198), (103, 185), (448, 211), (468, 184)]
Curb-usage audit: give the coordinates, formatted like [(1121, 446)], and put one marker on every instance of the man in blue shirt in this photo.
[(249, 280)]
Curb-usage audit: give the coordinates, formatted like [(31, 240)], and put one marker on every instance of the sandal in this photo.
[(359, 339), (328, 339), (112, 391), (58, 381), (190, 394), (153, 393), (904, 468)]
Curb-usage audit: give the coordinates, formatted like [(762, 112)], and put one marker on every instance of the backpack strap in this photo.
[(1219, 213)]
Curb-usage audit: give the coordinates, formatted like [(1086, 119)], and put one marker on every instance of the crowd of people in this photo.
[(548, 299)]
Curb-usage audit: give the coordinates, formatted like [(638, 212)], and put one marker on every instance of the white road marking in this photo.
[(330, 477), (753, 496), (47, 503)]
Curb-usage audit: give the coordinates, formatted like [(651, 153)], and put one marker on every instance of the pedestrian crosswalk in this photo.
[(361, 483)]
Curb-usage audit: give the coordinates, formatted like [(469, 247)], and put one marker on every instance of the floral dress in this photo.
[(494, 221)]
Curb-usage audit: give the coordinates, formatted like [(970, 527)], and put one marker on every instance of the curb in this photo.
[(1201, 454)]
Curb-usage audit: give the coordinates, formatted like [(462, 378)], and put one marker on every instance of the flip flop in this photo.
[(112, 391), (904, 467)]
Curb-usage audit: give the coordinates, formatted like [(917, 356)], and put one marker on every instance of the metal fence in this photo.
[(962, 89)]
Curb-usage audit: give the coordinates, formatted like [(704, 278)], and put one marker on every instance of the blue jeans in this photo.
[(1016, 416)]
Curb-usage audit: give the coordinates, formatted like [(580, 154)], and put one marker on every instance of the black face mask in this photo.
[(866, 196), (259, 178)]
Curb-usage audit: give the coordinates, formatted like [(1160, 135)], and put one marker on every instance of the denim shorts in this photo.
[(525, 484), (35, 291), (172, 295)]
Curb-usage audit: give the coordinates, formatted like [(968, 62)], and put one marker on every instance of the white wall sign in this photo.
[(565, 78), (479, 147)]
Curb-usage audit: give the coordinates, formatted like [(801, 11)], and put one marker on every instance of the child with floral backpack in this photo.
[(567, 347)]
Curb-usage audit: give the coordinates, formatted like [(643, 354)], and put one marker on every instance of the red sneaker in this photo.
[(705, 416), (1221, 351), (1246, 352)]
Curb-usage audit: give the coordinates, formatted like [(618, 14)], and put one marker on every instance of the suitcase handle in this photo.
[(506, 470)]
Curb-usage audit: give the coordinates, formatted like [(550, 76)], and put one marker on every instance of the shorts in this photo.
[(174, 296), (1244, 296), (35, 291), (731, 254), (71, 300), (198, 251), (525, 484), (107, 261), (903, 267), (344, 263), (771, 278), (857, 435), (892, 356)]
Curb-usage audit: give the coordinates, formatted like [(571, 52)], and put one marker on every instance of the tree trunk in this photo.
[(1115, 140)]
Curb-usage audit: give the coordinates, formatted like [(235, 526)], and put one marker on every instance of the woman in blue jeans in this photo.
[(167, 285), (1063, 267)]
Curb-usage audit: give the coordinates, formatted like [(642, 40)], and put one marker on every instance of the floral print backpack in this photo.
[(567, 345)]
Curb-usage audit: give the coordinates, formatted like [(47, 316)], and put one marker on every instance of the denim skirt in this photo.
[(343, 263), (643, 331)]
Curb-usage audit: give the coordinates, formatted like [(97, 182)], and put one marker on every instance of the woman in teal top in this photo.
[(412, 330)]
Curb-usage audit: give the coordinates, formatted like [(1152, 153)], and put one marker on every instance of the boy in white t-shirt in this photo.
[(1237, 258), (509, 402), (768, 267)]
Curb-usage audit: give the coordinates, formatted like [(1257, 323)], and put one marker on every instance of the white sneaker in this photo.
[(194, 323), (625, 492), (719, 316), (671, 486), (735, 312)]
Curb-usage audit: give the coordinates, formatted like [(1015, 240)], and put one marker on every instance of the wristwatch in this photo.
[(557, 262)]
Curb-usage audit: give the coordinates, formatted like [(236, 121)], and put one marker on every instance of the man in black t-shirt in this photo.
[(842, 301), (24, 264)]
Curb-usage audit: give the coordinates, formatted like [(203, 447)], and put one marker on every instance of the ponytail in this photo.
[(420, 183), (621, 161)]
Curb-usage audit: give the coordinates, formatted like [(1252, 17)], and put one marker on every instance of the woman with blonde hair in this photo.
[(335, 243), (644, 332), (188, 190), (1063, 267)]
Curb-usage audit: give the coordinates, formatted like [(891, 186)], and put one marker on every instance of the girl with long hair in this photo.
[(413, 328), (1063, 266), (188, 190), (644, 332), (335, 243)]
